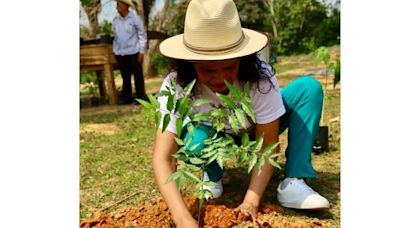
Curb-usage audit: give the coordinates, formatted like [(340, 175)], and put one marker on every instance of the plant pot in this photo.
[(106, 39), (322, 140)]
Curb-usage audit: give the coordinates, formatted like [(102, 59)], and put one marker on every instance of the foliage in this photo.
[(322, 53), (106, 28), (219, 146), (90, 82)]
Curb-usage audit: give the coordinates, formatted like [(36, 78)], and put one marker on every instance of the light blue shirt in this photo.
[(129, 34)]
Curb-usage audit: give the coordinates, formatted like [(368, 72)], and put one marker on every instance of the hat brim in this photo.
[(253, 42)]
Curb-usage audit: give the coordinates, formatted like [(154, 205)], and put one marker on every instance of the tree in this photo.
[(92, 9)]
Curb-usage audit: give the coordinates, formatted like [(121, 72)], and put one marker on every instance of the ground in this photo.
[(105, 206)]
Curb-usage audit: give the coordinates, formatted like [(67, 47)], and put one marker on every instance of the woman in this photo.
[(214, 48)]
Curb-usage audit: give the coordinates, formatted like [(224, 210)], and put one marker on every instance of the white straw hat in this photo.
[(213, 32), (128, 2)]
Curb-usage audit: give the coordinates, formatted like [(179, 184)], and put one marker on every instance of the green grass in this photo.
[(115, 165)]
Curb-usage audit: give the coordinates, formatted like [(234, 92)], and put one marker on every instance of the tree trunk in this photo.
[(148, 69), (273, 19), (92, 10)]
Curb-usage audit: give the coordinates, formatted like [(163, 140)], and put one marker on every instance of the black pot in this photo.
[(321, 143), (106, 39)]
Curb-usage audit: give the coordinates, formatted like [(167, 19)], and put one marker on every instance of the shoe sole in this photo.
[(289, 205)]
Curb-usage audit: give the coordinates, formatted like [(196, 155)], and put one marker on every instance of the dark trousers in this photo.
[(128, 65)]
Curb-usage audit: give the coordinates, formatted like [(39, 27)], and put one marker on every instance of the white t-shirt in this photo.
[(266, 101)]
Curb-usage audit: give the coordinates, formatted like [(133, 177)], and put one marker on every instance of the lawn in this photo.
[(116, 147)]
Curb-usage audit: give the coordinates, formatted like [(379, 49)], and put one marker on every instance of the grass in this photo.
[(115, 155)]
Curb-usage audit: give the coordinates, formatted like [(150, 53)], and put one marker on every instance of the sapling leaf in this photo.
[(226, 100), (269, 149), (196, 161), (240, 115), (180, 181), (245, 139), (190, 129), (153, 100), (235, 92), (274, 163), (191, 176), (249, 111), (234, 123), (163, 93), (173, 177), (209, 154), (146, 105), (166, 120), (179, 125), (200, 102), (157, 118), (200, 116), (260, 163), (253, 161), (220, 162), (259, 142), (246, 88), (242, 157), (219, 112), (170, 102), (188, 88), (212, 158), (194, 147), (179, 141)]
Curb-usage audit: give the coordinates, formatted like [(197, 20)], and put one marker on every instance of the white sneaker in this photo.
[(216, 189), (295, 193)]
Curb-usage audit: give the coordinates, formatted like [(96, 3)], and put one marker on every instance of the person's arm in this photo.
[(258, 183), (142, 35), (164, 165)]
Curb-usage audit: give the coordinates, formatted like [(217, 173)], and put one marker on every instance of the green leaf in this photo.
[(337, 73), (146, 105), (235, 92), (200, 102), (226, 100), (163, 93), (260, 163), (219, 112), (179, 141), (191, 176), (253, 161), (247, 88), (166, 120), (240, 115), (180, 181), (259, 142), (173, 177), (245, 139), (188, 88), (270, 148), (274, 163), (249, 111), (242, 157), (196, 161), (153, 100), (194, 147), (209, 154), (212, 158), (170, 103), (190, 129), (234, 123), (200, 116), (179, 125), (220, 161), (157, 118)]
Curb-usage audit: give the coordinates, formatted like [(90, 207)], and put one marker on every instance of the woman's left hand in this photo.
[(248, 209)]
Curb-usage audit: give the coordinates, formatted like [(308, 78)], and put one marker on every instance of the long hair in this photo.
[(251, 70)]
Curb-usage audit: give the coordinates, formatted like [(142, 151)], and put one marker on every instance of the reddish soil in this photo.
[(214, 214)]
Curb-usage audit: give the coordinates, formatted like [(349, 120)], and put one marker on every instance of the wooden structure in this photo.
[(100, 58)]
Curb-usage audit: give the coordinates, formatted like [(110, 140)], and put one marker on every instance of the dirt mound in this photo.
[(214, 214)]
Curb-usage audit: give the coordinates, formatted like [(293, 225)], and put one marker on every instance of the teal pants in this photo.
[(303, 99)]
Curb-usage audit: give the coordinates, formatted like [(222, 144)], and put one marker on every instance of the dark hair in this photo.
[(251, 70)]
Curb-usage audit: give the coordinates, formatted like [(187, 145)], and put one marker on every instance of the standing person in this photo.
[(214, 48), (130, 40)]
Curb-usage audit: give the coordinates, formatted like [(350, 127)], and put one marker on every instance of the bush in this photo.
[(159, 63)]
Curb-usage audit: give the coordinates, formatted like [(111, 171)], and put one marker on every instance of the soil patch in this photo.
[(215, 213)]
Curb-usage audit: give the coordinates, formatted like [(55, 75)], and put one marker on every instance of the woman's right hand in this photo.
[(187, 223)]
